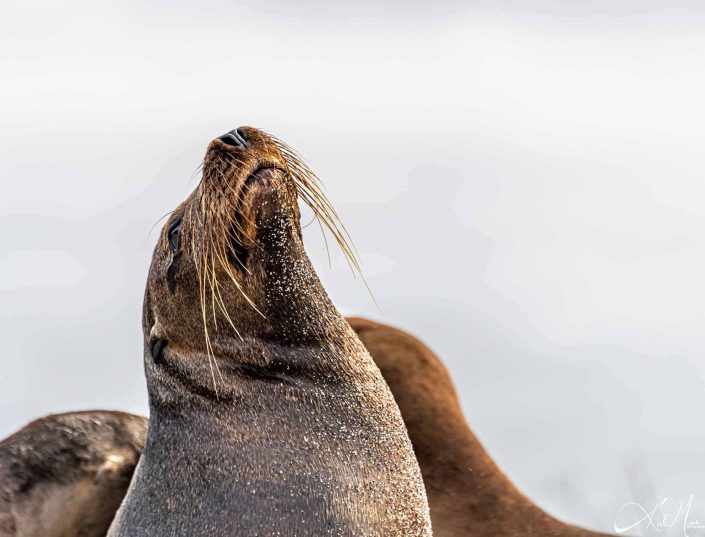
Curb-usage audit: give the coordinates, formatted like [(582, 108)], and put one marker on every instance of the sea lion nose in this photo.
[(234, 138)]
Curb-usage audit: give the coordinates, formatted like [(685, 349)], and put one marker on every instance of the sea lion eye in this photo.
[(174, 234), (158, 350)]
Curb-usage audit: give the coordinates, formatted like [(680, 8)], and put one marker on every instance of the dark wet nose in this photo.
[(234, 138)]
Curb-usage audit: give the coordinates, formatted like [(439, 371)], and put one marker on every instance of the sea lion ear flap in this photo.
[(112, 466)]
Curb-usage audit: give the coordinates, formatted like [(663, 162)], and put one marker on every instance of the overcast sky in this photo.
[(524, 185)]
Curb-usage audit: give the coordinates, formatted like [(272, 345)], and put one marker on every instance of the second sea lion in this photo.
[(65, 475), (467, 493)]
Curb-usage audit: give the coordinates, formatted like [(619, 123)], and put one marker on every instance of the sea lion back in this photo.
[(65, 475), (467, 492)]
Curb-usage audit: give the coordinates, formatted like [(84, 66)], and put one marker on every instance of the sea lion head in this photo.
[(229, 279), (266, 412)]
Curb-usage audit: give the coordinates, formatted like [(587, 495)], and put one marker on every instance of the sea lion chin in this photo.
[(267, 415)]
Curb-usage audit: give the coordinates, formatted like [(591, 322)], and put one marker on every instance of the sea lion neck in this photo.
[(295, 307), (267, 416)]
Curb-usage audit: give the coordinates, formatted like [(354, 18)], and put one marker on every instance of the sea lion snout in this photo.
[(234, 137)]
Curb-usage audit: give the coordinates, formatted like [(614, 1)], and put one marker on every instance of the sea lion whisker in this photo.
[(198, 170), (231, 249), (325, 240), (322, 208), (325, 205), (310, 189), (242, 292), (224, 309), (245, 189), (151, 229), (215, 250), (332, 222), (209, 348), (212, 283), (342, 243), (236, 207), (219, 253), (211, 361), (217, 296), (304, 226)]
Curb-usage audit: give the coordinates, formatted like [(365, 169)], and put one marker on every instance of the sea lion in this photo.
[(467, 493), (65, 475), (267, 414)]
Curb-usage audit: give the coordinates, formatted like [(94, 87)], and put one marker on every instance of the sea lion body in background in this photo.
[(267, 414), (65, 475), (482, 503), (467, 493)]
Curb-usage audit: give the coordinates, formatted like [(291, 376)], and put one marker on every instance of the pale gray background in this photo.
[(524, 183)]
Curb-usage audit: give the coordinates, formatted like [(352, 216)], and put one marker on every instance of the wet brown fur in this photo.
[(467, 493), (65, 475)]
